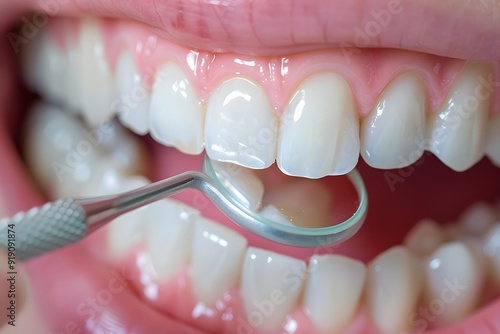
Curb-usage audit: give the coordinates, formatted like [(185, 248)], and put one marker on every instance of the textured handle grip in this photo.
[(43, 229)]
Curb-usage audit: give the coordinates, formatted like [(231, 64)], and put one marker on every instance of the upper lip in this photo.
[(453, 28)]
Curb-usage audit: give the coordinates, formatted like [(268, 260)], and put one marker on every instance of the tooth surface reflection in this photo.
[(267, 304), (392, 136), (319, 130), (241, 125), (217, 258)]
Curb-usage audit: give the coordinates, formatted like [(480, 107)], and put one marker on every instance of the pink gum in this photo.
[(368, 71)]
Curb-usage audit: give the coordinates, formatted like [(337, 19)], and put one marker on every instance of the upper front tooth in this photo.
[(394, 286), (319, 131), (493, 140), (241, 125), (97, 87), (452, 280), (176, 113), (458, 131), (133, 99), (392, 136), (333, 291), (270, 287), (217, 257), (169, 236)]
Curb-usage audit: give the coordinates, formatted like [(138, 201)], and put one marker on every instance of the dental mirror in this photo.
[(290, 215)]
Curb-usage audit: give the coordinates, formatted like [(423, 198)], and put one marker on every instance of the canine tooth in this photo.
[(241, 126), (392, 136), (478, 218), (96, 79), (424, 238), (452, 282), (241, 183), (45, 66), (127, 230), (169, 236), (267, 304), (492, 251), (333, 291), (493, 140), (458, 131), (319, 130), (133, 99), (394, 287), (217, 258), (176, 113)]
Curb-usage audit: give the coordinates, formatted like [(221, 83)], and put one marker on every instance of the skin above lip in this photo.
[(454, 28)]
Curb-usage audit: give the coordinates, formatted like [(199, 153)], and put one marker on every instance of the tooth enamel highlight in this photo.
[(394, 286), (97, 86), (492, 146), (333, 291), (169, 236), (492, 251), (177, 116), (458, 131), (133, 99), (217, 258), (270, 287), (392, 136), (452, 284), (241, 126), (319, 131), (241, 182), (424, 238)]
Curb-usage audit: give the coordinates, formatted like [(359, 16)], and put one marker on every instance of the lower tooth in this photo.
[(478, 218), (267, 305), (452, 283), (217, 257), (492, 147), (333, 291), (424, 238), (492, 251), (170, 231), (394, 287)]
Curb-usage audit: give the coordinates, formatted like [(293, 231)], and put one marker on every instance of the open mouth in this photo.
[(406, 93)]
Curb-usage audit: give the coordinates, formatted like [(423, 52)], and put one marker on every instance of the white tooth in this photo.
[(424, 238), (127, 230), (478, 218), (177, 116), (452, 283), (241, 126), (133, 99), (97, 87), (45, 66), (394, 287), (273, 213), (493, 140), (270, 287), (319, 131), (457, 131), (492, 250), (241, 183), (392, 136), (169, 236), (333, 291), (217, 258), (72, 91)]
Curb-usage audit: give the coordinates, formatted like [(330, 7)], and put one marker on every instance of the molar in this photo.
[(177, 115), (319, 130), (457, 132), (241, 125), (395, 128), (133, 99)]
